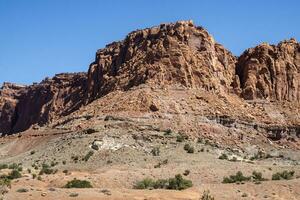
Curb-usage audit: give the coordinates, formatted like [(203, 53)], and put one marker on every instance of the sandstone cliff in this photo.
[(23, 106), (179, 53), (271, 72), (176, 54)]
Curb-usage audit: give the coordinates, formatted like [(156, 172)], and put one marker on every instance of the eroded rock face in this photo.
[(9, 95), (170, 54), (178, 54), (21, 106), (271, 72)]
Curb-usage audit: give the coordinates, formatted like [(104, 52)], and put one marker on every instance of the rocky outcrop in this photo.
[(9, 95), (271, 72), (179, 53), (21, 107)]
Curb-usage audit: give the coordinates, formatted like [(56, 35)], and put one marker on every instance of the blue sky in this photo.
[(40, 38)]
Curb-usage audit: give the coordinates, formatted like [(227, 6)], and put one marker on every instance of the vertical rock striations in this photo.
[(179, 53), (170, 54), (271, 72)]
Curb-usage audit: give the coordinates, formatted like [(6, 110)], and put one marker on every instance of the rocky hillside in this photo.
[(176, 54)]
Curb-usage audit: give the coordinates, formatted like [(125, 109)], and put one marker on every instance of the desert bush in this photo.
[(90, 131), (186, 172), (14, 174), (39, 178), (33, 176), (75, 158), (32, 152), (145, 184), (155, 151), (5, 181), (3, 166), (22, 190), (168, 132), (287, 175), (64, 162), (53, 163), (13, 166), (46, 169), (179, 138), (206, 196), (179, 183), (74, 195), (88, 156), (239, 177), (188, 148), (257, 176), (233, 159), (176, 183), (76, 183), (223, 156)]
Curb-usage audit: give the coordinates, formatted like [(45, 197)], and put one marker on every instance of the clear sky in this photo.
[(40, 38)]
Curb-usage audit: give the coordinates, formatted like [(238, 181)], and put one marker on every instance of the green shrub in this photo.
[(14, 174), (13, 166), (179, 183), (39, 178), (3, 166), (88, 155), (287, 175), (206, 196), (5, 181), (160, 184), (145, 184), (223, 156), (239, 177), (176, 183), (257, 176), (76, 183), (46, 169)]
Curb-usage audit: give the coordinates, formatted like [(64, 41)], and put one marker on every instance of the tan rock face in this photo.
[(271, 72), (179, 53), (20, 107)]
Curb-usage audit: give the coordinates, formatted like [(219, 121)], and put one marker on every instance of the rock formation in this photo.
[(23, 106), (178, 53), (271, 72), (170, 54)]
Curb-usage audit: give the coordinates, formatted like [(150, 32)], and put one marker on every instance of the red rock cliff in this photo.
[(271, 72)]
